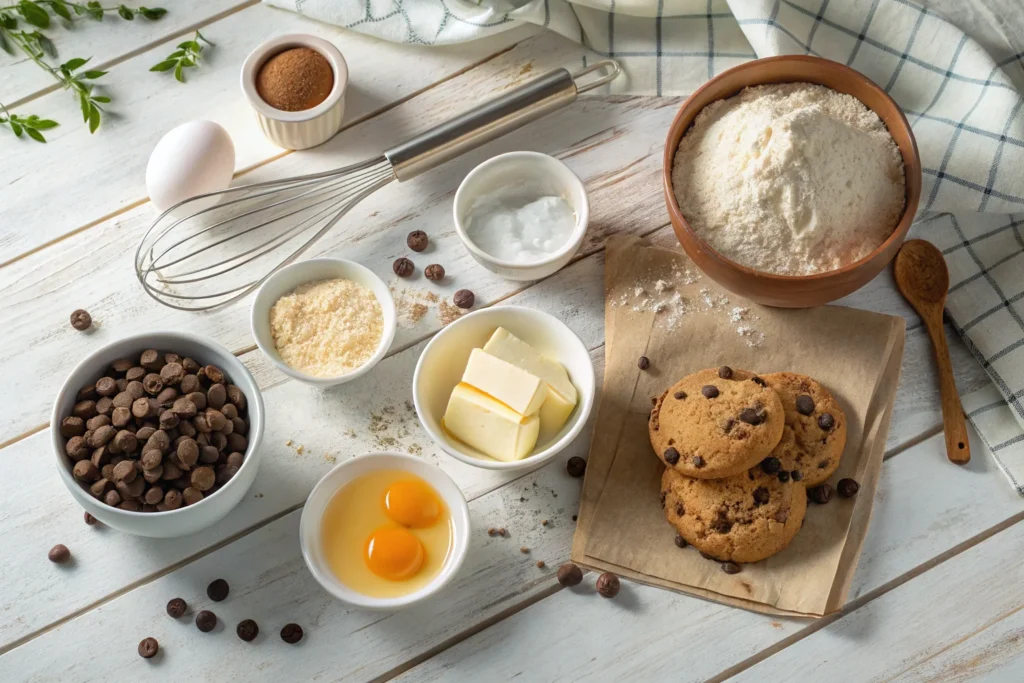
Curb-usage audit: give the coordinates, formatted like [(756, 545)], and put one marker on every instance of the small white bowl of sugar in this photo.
[(522, 215), (324, 321)]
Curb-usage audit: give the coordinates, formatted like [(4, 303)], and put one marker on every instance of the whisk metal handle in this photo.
[(492, 119)]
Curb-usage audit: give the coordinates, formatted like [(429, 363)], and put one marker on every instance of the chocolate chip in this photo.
[(847, 488), (403, 267), (752, 417), (680, 510), (782, 515), (247, 630), (435, 272), (761, 495), (680, 541), (729, 424), (771, 465), (709, 391), (176, 607), (59, 553), (661, 496), (725, 372), (706, 556), (797, 475), (643, 362), (783, 476), (464, 298), (679, 395), (540, 564), (820, 494), (148, 648), (730, 568), (671, 455), (217, 590), (206, 621), (576, 466), (826, 421), (608, 585), (89, 519), (757, 380), (698, 461), (721, 525), (804, 404), (81, 320), (291, 633), (569, 574), (417, 240)]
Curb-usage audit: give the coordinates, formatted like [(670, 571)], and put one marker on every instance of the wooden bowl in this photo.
[(794, 291)]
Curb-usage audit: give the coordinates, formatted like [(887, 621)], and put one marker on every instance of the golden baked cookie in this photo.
[(716, 423), (814, 436), (744, 518)]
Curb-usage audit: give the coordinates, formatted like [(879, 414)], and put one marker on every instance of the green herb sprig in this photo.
[(26, 125), (185, 57)]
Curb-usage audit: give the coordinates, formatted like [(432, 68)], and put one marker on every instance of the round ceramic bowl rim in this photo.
[(448, 570), (388, 310), (673, 204), (256, 414), (584, 404), (579, 230), (273, 46)]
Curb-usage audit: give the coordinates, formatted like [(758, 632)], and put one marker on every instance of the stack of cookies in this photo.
[(743, 453)]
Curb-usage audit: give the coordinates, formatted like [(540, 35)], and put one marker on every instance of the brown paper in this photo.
[(621, 528)]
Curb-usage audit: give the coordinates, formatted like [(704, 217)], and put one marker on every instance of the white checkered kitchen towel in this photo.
[(960, 98)]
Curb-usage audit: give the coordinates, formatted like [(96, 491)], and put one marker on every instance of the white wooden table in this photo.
[(937, 594)]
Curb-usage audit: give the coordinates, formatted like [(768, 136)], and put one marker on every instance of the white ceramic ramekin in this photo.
[(185, 520), (288, 278), (297, 129), (443, 361), (534, 168), (309, 525)]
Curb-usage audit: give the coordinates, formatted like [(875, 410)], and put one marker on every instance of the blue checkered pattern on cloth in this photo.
[(961, 101)]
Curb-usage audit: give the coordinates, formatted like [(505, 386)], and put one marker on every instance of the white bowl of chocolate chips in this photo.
[(158, 434)]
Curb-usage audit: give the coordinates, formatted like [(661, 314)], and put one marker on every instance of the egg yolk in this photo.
[(412, 503), (394, 553)]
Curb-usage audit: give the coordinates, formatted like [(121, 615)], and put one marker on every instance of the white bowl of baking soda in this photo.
[(522, 215)]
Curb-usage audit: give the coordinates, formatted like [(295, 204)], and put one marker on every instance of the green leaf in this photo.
[(125, 13), (60, 9), (4, 45), (178, 75), (94, 74), (94, 118), (73, 64), (8, 21), (34, 14), (45, 44), (35, 135), (165, 65), (152, 13), (43, 124), (186, 45), (84, 102), (176, 54), (79, 10), (95, 10), (16, 127), (101, 98)]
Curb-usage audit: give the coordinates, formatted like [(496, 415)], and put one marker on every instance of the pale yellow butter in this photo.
[(554, 413), (511, 349), (520, 390), (489, 425)]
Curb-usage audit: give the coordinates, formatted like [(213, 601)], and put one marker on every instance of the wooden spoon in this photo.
[(923, 279)]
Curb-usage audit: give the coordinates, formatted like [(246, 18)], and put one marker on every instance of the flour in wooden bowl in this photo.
[(790, 179), (327, 328)]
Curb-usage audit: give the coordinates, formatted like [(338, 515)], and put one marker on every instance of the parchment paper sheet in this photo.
[(855, 354)]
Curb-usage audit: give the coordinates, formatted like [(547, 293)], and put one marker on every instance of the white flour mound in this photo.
[(790, 179)]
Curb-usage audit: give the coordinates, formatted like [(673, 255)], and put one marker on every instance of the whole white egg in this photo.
[(195, 158)]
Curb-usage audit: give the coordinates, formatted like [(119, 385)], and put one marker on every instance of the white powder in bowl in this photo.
[(327, 328), (790, 179)]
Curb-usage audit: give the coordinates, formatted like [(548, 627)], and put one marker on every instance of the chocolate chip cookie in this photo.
[(743, 518), (814, 436), (716, 423)]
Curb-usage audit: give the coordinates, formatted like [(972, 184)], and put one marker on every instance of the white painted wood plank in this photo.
[(923, 507), (106, 42), (78, 178)]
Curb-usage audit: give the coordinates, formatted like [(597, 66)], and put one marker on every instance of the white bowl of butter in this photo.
[(504, 388)]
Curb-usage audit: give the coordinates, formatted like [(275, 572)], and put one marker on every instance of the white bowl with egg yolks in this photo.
[(443, 361), (312, 514)]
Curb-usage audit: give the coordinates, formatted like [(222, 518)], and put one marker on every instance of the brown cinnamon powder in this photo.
[(298, 78)]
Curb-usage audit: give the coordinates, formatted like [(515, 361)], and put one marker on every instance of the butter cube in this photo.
[(489, 425), (515, 387), (553, 414), (511, 349)]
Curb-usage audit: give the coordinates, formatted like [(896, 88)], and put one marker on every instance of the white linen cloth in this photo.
[(957, 84)]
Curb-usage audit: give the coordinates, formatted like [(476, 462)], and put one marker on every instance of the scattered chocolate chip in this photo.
[(608, 585), (403, 267), (464, 298), (820, 494), (176, 607), (757, 380), (761, 495), (148, 648), (671, 455), (643, 362), (752, 417), (730, 568), (434, 271), (569, 574), (708, 557), (771, 465), (826, 421), (847, 488), (502, 532), (291, 633), (89, 519), (725, 372), (679, 395), (247, 630), (417, 240), (680, 541), (540, 564), (81, 320), (59, 553), (804, 404), (783, 476), (206, 620), (217, 590), (698, 461), (576, 466), (709, 391), (796, 475), (524, 549)]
